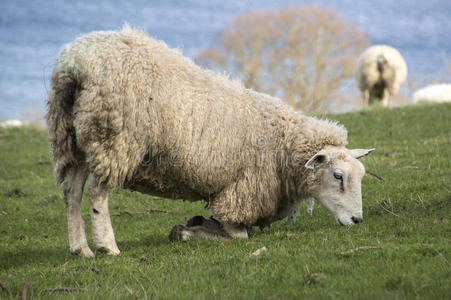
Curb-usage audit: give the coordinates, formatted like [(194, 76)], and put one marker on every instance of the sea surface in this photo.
[(32, 33)]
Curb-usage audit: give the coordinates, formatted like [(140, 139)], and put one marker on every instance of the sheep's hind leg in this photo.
[(73, 193), (385, 97), (101, 223), (366, 98)]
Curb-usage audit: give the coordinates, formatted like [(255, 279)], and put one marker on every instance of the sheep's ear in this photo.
[(358, 153), (316, 160)]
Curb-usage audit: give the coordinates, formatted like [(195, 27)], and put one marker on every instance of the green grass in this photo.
[(407, 220)]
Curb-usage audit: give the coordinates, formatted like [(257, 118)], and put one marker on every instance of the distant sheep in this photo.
[(433, 93), (138, 115), (379, 73), (11, 123)]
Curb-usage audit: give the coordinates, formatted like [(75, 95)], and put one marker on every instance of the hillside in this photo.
[(401, 250)]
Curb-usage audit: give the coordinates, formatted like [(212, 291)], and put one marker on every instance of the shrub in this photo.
[(301, 54)]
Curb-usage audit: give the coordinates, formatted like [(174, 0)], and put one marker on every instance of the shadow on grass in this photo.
[(144, 243), (59, 255), (26, 256)]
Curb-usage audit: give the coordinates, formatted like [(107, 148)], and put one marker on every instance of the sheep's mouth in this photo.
[(337, 219)]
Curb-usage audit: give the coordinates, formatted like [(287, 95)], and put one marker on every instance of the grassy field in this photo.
[(401, 250)]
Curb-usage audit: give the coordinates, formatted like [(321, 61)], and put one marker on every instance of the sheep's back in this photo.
[(138, 97)]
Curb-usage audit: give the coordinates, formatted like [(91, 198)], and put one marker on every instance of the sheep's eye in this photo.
[(338, 176)]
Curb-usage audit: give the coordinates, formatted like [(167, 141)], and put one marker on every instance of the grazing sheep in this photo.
[(138, 115), (433, 93), (380, 72)]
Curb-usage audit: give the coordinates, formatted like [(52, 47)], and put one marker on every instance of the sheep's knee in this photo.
[(199, 228), (236, 230), (185, 233), (101, 223)]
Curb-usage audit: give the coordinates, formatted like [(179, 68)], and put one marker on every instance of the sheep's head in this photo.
[(335, 177)]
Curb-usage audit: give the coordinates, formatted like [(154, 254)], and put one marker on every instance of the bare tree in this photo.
[(302, 54)]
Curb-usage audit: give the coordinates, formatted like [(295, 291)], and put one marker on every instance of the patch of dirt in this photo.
[(144, 261)]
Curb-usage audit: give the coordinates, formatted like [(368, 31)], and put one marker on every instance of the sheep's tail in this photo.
[(60, 121)]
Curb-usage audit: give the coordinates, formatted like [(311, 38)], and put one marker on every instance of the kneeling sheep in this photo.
[(138, 115)]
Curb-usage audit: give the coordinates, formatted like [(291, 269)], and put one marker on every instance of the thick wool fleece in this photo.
[(146, 118), (367, 74)]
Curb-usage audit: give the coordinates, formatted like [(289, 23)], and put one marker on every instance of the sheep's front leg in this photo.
[(184, 233), (73, 192), (294, 211), (293, 214), (236, 230), (310, 202), (100, 216), (200, 228)]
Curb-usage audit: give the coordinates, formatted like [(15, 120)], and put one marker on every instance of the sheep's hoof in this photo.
[(180, 233), (85, 252), (109, 251)]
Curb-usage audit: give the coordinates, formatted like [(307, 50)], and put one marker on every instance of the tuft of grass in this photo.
[(401, 250)]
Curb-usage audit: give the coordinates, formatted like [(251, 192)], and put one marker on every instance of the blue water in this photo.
[(32, 32)]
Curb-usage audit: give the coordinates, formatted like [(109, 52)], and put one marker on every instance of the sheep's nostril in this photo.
[(356, 220)]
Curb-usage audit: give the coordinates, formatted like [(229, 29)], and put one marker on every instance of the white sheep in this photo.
[(138, 115), (433, 93), (379, 73), (11, 123)]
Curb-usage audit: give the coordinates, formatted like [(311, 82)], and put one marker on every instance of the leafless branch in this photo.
[(66, 289), (147, 212), (4, 289), (389, 211), (375, 175), (121, 213), (25, 291)]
